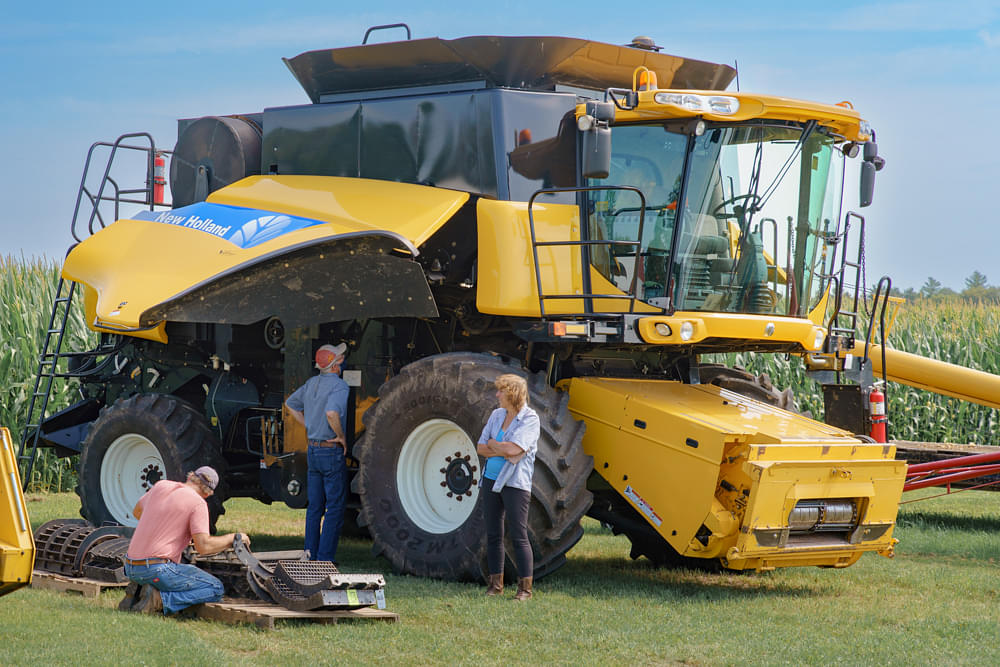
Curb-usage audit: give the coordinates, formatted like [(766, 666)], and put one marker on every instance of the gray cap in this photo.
[(207, 476)]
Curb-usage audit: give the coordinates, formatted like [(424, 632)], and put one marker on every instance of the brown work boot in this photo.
[(150, 601), (523, 589), (495, 586), (131, 597)]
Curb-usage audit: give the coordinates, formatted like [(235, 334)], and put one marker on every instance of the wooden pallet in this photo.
[(89, 588), (264, 615)]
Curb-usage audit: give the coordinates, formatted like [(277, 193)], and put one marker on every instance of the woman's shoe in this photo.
[(523, 589), (495, 585)]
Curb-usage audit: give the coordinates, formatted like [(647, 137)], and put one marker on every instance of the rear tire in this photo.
[(135, 443), (434, 409)]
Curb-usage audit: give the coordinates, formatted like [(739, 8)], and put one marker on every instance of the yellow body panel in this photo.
[(845, 120), (414, 212), (738, 326), (506, 268), (133, 265), (687, 456), (939, 377), (17, 550)]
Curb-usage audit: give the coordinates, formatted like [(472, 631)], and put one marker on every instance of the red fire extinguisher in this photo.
[(876, 407), (159, 177)]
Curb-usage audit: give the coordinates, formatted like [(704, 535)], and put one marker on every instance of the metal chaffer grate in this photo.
[(106, 561), (308, 577), (323, 598)]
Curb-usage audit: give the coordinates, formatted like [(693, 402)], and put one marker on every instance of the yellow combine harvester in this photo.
[(592, 216), (17, 550)]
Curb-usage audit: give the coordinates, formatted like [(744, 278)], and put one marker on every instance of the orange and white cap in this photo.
[(327, 355)]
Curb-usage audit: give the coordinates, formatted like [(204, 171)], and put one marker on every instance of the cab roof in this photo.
[(527, 63)]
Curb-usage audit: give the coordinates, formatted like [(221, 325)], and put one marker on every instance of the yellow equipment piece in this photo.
[(722, 476), (507, 282), (17, 550), (932, 375), (131, 266), (657, 104)]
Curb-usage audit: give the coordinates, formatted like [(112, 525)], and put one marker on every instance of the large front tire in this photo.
[(137, 442), (419, 473)]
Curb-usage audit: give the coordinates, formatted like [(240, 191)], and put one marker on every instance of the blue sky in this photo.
[(925, 74)]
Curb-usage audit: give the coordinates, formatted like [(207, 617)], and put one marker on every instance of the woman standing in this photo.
[(509, 441)]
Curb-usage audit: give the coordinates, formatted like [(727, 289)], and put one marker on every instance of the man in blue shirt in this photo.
[(320, 405)]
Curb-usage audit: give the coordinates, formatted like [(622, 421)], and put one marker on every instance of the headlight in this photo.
[(663, 329), (687, 331), (722, 105), (865, 130)]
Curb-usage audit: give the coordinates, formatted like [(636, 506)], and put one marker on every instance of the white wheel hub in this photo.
[(131, 466), (437, 476)]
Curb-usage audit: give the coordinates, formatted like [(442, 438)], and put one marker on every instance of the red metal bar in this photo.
[(959, 461), (942, 480)]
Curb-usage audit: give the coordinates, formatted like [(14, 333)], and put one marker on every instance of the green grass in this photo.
[(937, 602)]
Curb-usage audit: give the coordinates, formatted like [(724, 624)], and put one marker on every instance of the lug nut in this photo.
[(447, 458), (444, 470), (444, 484), (450, 494), (459, 497), (458, 455), (466, 457)]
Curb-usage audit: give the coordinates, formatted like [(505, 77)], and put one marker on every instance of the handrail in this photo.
[(120, 195), (587, 297)]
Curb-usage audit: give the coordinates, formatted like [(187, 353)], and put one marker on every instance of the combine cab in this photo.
[(594, 217)]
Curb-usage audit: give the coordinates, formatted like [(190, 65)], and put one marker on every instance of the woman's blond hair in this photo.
[(514, 388)]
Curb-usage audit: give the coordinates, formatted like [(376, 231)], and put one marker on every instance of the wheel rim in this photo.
[(437, 476), (131, 466)]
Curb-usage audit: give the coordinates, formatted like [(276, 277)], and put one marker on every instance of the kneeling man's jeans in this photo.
[(180, 585)]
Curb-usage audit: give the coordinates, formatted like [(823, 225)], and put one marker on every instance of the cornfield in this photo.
[(954, 330), (27, 290)]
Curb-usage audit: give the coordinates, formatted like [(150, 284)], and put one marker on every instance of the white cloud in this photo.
[(992, 40)]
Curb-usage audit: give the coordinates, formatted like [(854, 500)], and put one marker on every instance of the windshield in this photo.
[(758, 200)]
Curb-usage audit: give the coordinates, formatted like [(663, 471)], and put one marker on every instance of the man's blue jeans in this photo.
[(180, 585), (327, 488)]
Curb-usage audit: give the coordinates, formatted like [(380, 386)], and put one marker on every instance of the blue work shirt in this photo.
[(523, 432), (322, 393)]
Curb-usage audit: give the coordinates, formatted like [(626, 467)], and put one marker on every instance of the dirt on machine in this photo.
[(594, 217)]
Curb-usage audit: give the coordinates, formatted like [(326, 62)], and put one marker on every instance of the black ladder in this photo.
[(47, 373), (843, 323)]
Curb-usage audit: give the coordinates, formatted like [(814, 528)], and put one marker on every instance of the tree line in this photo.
[(977, 288)]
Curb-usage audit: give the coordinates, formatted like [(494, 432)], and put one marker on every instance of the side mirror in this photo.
[(595, 145), (867, 183), (596, 152), (871, 163)]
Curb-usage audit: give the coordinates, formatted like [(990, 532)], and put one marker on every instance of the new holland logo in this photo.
[(261, 229), (243, 227)]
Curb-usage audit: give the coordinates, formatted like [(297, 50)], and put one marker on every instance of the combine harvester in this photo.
[(594, 217)]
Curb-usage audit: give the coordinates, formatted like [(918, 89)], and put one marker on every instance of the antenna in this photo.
[(736, 66)]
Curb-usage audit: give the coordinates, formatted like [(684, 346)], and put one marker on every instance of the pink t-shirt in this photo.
[(172, 513)]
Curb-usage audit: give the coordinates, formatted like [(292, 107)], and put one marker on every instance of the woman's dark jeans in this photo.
[(514, 503)]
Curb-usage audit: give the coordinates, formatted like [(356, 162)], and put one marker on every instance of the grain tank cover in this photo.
[(533, 63)]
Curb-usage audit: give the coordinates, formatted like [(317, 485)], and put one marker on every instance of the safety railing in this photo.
[(587, 296)]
